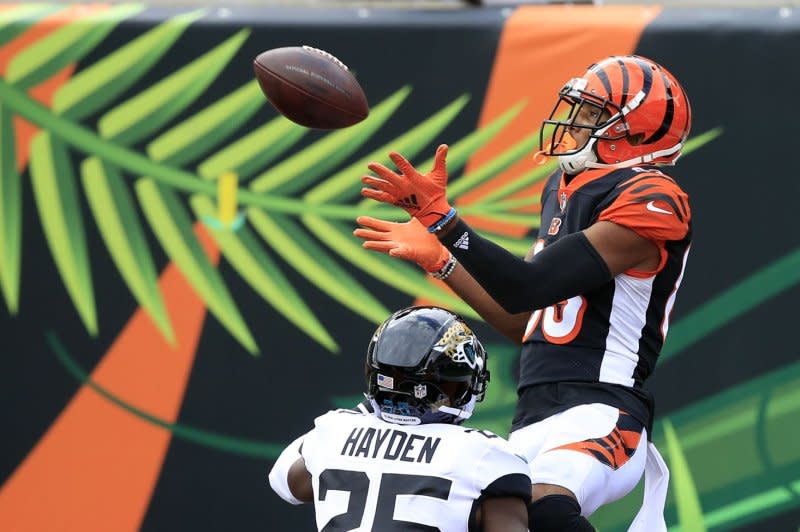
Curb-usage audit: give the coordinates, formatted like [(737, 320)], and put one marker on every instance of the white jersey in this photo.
[(370, 475)]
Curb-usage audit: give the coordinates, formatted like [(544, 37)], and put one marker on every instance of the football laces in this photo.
[(325, 54)]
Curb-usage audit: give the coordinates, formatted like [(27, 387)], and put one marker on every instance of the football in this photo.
[(311, 87)]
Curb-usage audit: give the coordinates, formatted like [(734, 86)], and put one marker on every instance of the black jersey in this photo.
[(600, 346)]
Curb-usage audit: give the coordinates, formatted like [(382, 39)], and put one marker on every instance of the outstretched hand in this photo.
[(406, 240), (423, 196)]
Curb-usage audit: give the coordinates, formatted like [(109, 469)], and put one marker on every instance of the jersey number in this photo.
[(562, 321), (391, 485)]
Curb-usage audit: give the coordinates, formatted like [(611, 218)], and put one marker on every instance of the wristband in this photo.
[(443, 221), (445, 270)]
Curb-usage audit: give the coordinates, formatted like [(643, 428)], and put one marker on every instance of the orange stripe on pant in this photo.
[(540, 49), (96, 467), (614, 449)]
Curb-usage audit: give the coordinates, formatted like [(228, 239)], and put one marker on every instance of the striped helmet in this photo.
[(644, 116)]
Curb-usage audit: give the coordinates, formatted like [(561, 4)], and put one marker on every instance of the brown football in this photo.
[(311, 87)]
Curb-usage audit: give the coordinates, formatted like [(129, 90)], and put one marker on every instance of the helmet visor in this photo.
[(421, 400)]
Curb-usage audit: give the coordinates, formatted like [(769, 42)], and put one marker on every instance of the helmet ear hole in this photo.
[(635, 140)]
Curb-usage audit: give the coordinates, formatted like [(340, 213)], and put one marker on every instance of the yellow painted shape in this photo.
[(227, 189)]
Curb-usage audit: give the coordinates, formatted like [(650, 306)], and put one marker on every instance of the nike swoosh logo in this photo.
[(652, 207)]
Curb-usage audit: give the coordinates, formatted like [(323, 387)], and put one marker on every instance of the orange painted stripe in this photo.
[(96, 467), (542, 47)]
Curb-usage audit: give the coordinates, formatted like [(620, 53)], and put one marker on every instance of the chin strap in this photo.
[(577, 162), (461, 413), (644, 159)]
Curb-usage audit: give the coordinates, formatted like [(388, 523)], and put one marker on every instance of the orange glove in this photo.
[(423, 196), (405, 240)]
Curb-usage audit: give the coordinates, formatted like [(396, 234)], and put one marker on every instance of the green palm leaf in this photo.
[(15, 21), (528, 178), (255, 150), (10, 213), (45, 57), (313, 263), (253, 263), (414, 283), (99, 84), (460, 152), (517, 246), (172, 226), (698, 141), (207, 128), (134, 163), (59, 209), (306, 166), (139, 116), (527, 220), (489, 170), (504, 205), (346, 182), (690, 514), (116, 217)]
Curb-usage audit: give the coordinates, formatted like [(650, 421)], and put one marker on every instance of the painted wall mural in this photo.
[(182, 295)]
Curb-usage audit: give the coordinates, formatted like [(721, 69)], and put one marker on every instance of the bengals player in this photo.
[(590, 304)]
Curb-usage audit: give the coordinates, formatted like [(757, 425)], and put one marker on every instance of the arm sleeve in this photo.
[(279, 475), (563, 269)]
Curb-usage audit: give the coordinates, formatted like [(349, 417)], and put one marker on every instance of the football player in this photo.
[(401, 461), (591, 301)]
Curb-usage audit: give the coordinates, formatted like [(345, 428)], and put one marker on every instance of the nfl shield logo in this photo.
[(562, 200), (420, 391)]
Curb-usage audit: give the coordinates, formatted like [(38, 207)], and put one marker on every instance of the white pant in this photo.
[(596, 472)]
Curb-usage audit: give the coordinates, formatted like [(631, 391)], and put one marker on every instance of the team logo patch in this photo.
[(420, 391), (555, 225), (385, 382), (562, 200)]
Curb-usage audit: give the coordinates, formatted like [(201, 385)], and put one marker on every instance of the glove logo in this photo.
[(462, 242), (408, 202)]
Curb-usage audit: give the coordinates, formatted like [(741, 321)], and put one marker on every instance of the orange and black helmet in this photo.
[(644, 114)]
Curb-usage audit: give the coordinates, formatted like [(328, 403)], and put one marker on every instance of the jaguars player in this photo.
[(591, 302), (401, 461)]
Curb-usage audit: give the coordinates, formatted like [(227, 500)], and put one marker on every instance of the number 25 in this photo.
[(391, 485)]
